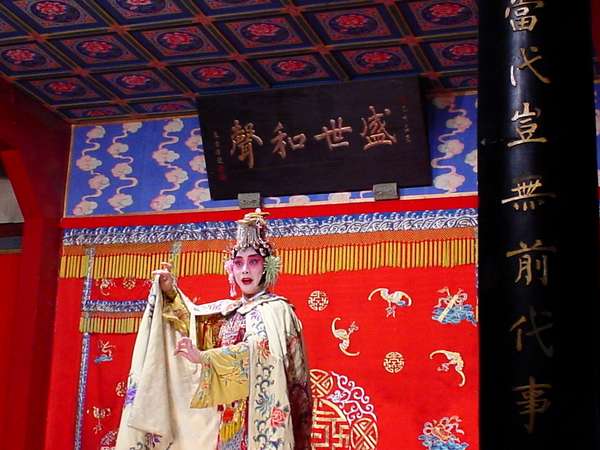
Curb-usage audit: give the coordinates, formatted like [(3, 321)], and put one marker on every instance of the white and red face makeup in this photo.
[(248, 267)]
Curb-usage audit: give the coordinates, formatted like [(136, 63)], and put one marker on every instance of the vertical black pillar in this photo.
[(538, 227)]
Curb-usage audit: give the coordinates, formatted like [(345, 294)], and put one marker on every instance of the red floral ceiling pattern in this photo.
[(91, 59)]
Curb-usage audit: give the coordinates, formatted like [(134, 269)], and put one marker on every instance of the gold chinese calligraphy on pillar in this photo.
[(521, 14), (532, 402), (535, 330), (528, 195), (528, 63), (532, 261), (525, 126)]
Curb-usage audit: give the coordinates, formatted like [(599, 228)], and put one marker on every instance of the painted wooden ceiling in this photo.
[(98, 59)]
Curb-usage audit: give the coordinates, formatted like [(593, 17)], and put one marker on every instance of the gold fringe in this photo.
[(114, 324), (301, 261), (73, 266)]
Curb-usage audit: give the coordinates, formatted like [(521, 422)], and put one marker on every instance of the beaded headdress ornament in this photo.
[(252, 233)]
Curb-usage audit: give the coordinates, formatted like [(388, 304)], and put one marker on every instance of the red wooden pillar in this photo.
[(34, 146)]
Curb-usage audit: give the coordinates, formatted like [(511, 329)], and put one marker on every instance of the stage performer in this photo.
[(230, 374)]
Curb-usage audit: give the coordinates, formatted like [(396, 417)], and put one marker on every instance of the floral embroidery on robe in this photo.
[(251, 390)]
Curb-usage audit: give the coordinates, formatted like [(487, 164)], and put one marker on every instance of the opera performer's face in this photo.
[(248, 268)]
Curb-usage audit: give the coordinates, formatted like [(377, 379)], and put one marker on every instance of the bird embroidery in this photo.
[(454, 359), (394, 299), (106, 350), (344, 336)]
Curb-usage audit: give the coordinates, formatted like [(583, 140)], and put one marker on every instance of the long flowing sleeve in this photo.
[(224, 377), (156, 413)]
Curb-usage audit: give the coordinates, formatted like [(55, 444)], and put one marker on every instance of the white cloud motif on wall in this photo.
[(299, 200), (116, 148), (96, 133), (450, 146), (132, 127), (84, 208), (165, 157), (99, 182), (194, 142), (198, 195), (471, 159), (176, 176), (162, 202), (88, 163), (173, 126), (198, 164), (120, 201), (450, 181), (443, 101), (339, 197), (460, 123), (122, 169)]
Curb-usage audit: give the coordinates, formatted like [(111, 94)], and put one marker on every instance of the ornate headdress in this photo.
[(252, 233)]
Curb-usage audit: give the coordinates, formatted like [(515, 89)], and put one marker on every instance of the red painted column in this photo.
[(10, 264), (34, 147)]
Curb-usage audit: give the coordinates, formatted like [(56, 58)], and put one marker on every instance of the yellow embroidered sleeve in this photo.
[(174, 311), (224, 376)]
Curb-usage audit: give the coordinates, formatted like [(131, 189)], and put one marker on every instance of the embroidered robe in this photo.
[(250, 390)]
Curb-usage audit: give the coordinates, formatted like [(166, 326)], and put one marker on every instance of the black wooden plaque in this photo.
[(317, 139)]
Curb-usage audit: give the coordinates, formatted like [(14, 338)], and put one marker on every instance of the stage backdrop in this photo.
[(387, 300), (156, 166)]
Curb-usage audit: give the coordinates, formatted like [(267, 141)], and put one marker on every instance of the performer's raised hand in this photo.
[(186, 348), (166, 278)]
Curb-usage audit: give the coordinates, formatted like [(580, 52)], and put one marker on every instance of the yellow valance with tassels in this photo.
[(308, 255)]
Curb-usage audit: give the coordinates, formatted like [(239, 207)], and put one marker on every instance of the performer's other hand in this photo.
[(166, 278), (185, 347)]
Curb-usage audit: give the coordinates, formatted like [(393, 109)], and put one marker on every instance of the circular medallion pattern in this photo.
[(214, 75), (180, 40), (55, 11), (137, 82), (296, 68), (446, 13), (393, 362), (23, 57), (264, 32), (353, 24), (100, 49), (142, 6), (318, 300), (64, 88), (378, 60), (463, 52)]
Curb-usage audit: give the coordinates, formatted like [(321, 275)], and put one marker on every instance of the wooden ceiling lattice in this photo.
[(92, 59)]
